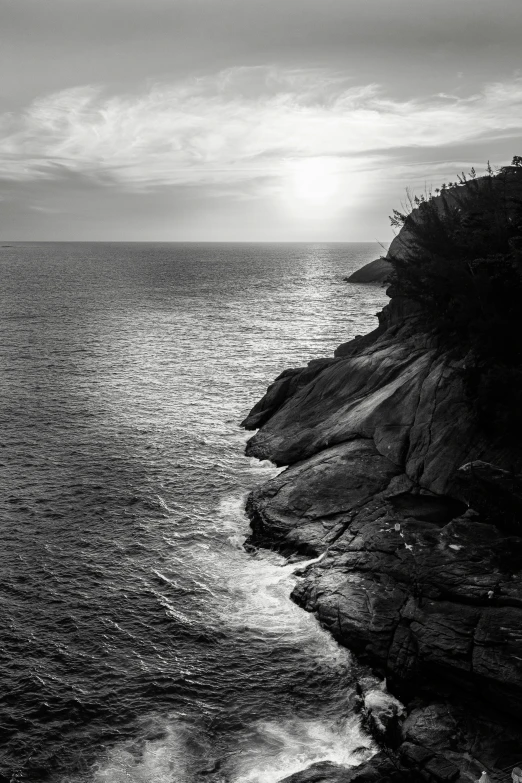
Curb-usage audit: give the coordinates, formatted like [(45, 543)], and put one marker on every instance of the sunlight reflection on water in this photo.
[(139, 633)]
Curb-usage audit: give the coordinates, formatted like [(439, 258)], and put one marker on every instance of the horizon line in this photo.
[(6, 243)]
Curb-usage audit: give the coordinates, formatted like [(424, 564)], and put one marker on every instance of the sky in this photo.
[(246, 120)]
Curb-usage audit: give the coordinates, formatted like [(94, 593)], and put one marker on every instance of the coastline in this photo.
[(410, 577)]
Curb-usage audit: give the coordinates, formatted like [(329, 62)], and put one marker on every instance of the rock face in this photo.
[(411, 765), (377, 271), (405, 246), (382, 767), (393, 487), (397, 390)]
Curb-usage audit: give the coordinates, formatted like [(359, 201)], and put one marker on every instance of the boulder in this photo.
[(377, 271), (383, 713), (432, 727), (307, 506)]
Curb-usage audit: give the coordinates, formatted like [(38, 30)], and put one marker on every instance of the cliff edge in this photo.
[(416, 512), (377, 271)]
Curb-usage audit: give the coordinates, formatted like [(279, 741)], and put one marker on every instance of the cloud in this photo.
[(240, 126)]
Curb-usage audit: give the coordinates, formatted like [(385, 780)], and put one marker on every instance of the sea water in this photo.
[(139, 641)]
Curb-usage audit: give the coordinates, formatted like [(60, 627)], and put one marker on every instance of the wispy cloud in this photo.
[(239, 125)]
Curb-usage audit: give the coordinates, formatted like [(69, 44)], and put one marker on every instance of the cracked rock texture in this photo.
[(388, 484)]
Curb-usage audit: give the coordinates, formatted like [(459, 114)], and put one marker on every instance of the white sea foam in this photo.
[(232, 520), (265, 466), (280, 748), (173, 758), (258, 588), (264, 752)]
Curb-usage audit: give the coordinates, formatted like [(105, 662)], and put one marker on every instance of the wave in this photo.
[(261, 752)]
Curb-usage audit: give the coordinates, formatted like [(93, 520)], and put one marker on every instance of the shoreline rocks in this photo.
[(416, 573), (378, 271)]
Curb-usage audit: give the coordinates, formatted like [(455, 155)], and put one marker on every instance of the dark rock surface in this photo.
[(413, 764), (397, 390), (284, 386), (404, 502), (496, 493), (405, 244), (305, 508), (383, 714), (377, 271), (382, 767)]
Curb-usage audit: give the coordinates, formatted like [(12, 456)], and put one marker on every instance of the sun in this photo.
[(314, 181)]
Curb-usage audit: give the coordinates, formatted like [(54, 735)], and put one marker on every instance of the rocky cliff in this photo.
[(378, 271), (506, 186), (393, 484)]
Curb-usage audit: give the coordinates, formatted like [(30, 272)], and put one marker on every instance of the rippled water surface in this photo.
[(138, 640)]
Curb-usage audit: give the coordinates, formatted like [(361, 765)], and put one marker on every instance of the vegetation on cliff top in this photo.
[(464, 270)]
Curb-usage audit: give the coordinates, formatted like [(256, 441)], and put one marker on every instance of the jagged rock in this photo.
[(432, 727), (355, 609), (322, 772), (441, 769), (371, 395), (439, 509), (398, 392), (275, 396), (306, 506), (415, 755), (422, 602), (382, 768), (384, 714), (356, 344), (407, 580), (284, 386)]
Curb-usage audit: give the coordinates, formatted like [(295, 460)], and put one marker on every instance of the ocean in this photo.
[(139, 641)]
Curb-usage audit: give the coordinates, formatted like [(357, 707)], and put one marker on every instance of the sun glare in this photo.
[(314, 181), (312, 187)]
